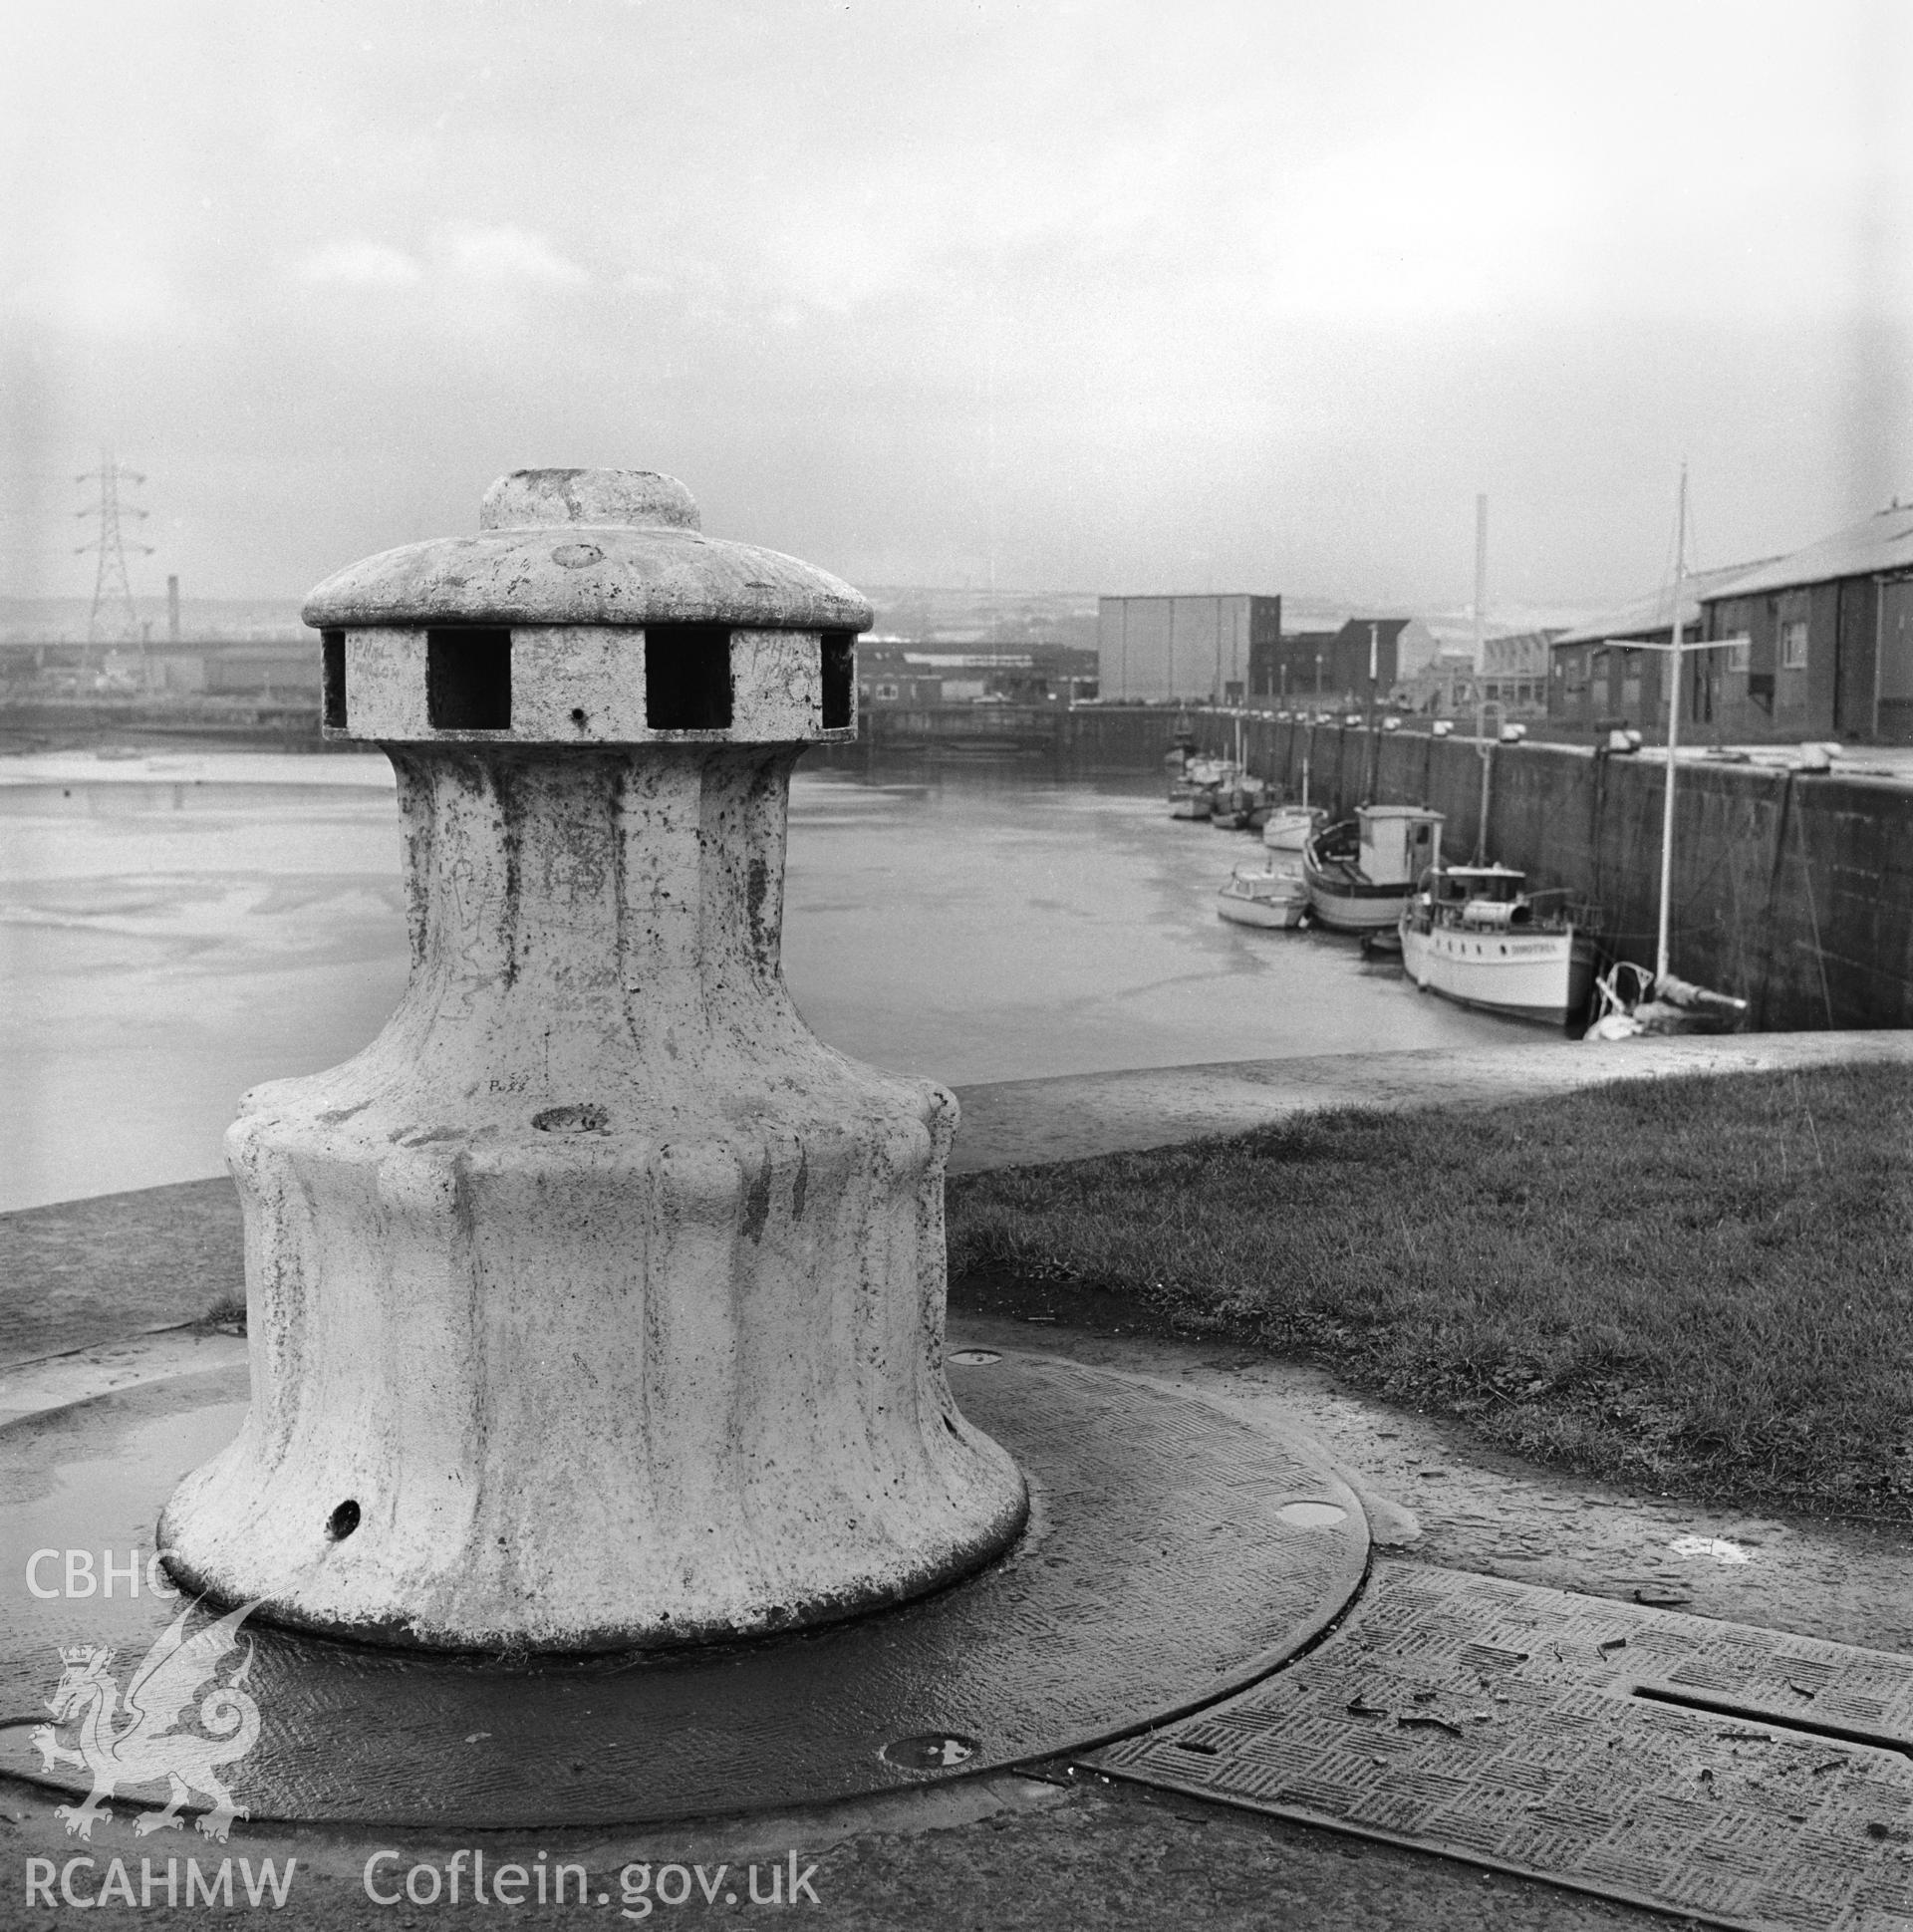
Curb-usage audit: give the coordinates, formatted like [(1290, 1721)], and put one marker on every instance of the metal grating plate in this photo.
[(1637, 1754)]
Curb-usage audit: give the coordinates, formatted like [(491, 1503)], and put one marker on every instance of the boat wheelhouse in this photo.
[(1362, 872), (1476, 936)]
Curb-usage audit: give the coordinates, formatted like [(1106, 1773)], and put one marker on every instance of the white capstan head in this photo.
[(589, 610)]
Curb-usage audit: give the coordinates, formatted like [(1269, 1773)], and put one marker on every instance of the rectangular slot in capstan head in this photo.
[(331, 679), (840, 667), (469, 678), (687, 676)]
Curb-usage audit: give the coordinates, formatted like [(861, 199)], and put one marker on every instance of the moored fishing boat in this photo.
[(1271, 897), (1192, 792), (1236, 804), (1474, 936), (1362, 872)]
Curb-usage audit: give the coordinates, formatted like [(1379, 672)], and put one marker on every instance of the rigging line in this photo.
[(1736, 923), (1774, 871), (1812, 913)]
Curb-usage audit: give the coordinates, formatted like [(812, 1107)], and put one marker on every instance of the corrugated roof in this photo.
[(1881, 542), (1655, 612)]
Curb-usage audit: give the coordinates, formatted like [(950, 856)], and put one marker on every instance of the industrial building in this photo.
[(1824, 642), (1817, 644), (1332, 666), (901, 672), (1155, 649), (1294, 667), (1607, 669), (1514, 671)]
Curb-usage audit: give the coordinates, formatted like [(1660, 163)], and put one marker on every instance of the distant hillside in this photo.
[(977, 617), (63, 619)]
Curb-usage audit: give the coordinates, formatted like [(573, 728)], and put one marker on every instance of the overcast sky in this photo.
[(1123, 296)]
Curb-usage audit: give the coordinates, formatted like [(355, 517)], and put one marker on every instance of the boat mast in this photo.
[(1374, 670), (1481, 669), (1673, 734)]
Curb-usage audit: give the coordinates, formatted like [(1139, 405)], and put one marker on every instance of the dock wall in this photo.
[(1124, 737), (1794, 890)]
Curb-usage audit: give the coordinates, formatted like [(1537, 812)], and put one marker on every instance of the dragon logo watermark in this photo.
[(138, 1742)]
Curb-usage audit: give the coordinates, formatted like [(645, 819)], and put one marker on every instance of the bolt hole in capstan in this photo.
[(342, 1521)]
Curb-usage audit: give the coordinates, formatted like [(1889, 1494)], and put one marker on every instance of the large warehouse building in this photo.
[(1157, 648)]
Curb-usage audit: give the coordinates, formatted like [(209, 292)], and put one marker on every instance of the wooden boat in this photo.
[(1274, 897), (1362, 873), (1476, 936)]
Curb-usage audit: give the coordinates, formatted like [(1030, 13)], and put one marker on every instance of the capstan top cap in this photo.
[(533, 499), (589, 608), (586, 547)]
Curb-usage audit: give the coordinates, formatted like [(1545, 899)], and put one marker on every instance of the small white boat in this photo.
[(1287, 827), (1363, 872), (1274, 898), (1474, 936)]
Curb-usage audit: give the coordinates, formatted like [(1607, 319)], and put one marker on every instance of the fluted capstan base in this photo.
[(596, 1303)]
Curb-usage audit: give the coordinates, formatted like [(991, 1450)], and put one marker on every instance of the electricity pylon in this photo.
[(113, 618)]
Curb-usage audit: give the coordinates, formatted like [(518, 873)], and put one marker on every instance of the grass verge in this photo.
[(1696, 1283), (227, 1310)]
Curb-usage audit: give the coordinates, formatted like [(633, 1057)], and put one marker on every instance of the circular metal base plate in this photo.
[(1173, 1553)]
